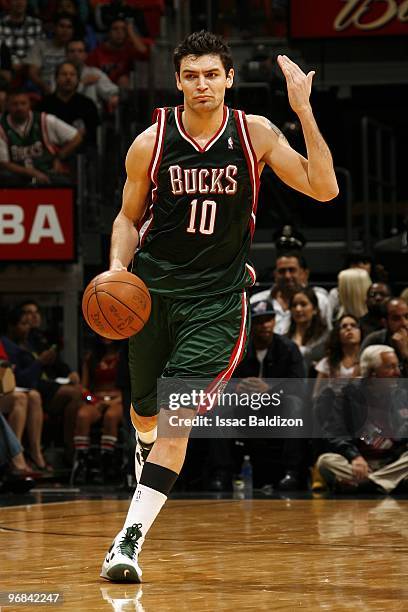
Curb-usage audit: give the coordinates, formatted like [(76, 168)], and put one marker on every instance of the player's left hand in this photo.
[(298, 83)]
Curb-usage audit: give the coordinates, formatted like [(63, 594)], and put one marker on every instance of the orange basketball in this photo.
[(116, 304)]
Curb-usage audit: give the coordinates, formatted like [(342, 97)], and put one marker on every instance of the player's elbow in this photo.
[(328, 194)]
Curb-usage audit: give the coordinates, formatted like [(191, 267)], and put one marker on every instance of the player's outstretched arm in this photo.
[(125, 237), (315, 175)]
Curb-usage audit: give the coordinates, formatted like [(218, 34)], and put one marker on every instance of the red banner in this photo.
[(37, 224), (341, 18)]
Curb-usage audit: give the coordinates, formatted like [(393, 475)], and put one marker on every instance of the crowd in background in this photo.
[(64, 68), (321, 340)]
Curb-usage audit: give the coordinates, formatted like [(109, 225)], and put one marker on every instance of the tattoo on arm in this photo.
[(277, 131)]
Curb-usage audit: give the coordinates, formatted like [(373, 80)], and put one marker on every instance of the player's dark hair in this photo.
[(14, 316), (17, 91), (203, 43), (317, 326)]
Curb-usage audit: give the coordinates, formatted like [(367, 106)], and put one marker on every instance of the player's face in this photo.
[(203, 82)]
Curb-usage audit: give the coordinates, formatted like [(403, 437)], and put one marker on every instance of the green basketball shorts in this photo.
[(194, 338)]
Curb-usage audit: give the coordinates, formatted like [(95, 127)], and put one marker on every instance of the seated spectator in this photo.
[(15, 475), (291, 271), (70, 106), (269, 356), (93, 83), (367, 430), (307, 329), (60, 399), (353, 285), (353, 260), (342, 353), (116, 56), (395, 333), (45, 55), (99, 376), (33, 146), (19, 32), (404, 295), (25, 415), (377, 296)]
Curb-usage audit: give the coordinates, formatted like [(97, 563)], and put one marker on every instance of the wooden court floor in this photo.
[(207, 555)]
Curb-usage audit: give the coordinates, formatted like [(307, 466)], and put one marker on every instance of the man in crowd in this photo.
[(270, 356), (395, 333), (93, 82), (45, 55), (291, 272), (367, 427), (118, 53), (70, 106), (377, 296), (33, 146), (19, 32)]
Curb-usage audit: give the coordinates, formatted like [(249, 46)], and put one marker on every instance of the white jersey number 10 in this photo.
[(207, 218)]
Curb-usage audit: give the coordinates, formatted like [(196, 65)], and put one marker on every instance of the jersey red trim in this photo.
[(218, 385), (153, 170), (179, 123), (252, 162)]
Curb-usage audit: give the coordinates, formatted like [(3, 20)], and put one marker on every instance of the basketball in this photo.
[(116, 304)]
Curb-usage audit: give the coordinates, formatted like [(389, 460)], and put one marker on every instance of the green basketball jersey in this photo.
[(33, 149), (196, 234)]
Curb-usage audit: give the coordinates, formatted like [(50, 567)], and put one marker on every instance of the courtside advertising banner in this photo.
[(37, 224), (343, 18)]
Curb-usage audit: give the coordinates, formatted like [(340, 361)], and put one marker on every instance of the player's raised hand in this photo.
[(298, 83)]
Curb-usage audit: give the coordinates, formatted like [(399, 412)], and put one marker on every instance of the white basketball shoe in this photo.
[(120, 563)]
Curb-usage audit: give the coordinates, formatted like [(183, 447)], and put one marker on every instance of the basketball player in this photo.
[(198, 168)]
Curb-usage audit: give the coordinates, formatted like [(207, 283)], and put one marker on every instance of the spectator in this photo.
[(342, 353), (395, 333), (70, 106), (99, 376), (116, 56), (15, 474), (353, 285), (24, 409), (307, 329), (404, 295), (291, 272), (33, 146), (269, 356), (93, 83), (353, 260), (19, 32), (367, 430), (45, 55), (59, 399), (373, 320)]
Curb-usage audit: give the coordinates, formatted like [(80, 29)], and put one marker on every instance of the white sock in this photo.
[(147, 437), (144, 507)]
